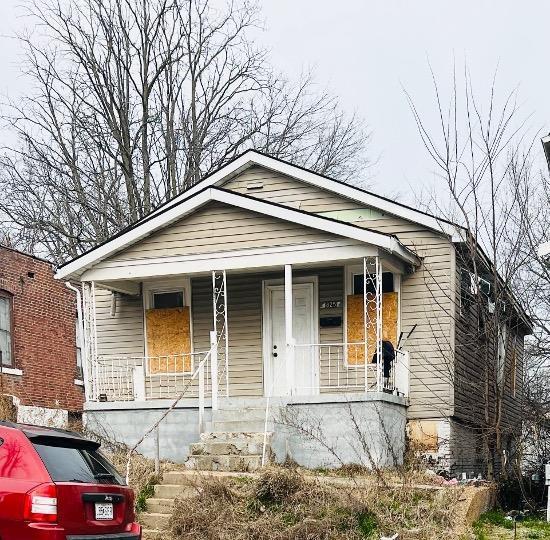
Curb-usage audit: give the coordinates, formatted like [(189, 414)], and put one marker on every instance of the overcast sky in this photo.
[(366, 51)]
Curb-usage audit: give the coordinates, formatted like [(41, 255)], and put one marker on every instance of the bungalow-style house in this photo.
[(277, 305), (40, 363)]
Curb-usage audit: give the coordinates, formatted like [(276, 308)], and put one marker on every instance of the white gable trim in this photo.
[(252, 158), (180, 210)]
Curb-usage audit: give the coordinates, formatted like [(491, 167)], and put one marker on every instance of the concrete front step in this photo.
[(230, 414), (175, 491), (154, 520), (236, 447), (256, 426), (160, 506), (224, 463), (248, 436)]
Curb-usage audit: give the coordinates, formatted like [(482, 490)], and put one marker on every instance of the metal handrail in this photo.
[(199, 371)]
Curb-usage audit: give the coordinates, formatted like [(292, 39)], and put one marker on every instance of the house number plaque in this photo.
[(331, 304)]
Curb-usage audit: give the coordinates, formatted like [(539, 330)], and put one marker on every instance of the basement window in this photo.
[(168, 300)]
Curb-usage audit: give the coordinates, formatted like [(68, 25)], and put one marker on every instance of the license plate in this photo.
[(104, 511)]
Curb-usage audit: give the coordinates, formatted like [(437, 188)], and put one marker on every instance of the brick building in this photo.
[(40, 360)]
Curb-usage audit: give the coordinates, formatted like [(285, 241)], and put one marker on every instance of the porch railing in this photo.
[(338, 367), (341, 367), (140, 378)]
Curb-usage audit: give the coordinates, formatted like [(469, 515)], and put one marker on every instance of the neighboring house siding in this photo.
[(215, 228), (44, 334), (426, 295), (120, 334)]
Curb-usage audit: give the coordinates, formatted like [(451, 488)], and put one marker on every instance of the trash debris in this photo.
[(394, 537)]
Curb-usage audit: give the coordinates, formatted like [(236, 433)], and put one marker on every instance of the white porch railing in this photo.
[(341, 367), (139, 378)]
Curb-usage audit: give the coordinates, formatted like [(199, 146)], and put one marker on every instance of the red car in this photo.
[(55, 485)]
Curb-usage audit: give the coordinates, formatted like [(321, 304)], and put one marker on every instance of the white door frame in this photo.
[(268, 284)]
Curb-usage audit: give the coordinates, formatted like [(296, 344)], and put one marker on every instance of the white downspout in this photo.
[(80, 322)]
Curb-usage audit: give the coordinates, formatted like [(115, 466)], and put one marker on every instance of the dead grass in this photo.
[(8, 410), (283, 505)]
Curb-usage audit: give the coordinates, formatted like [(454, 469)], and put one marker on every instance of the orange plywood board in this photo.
[(423, 434), (355, 326), (169, 340)]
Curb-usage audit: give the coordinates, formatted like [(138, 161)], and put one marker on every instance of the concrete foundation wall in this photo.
[(369, 433), (177, 431), (42, 416), (327, 434), (466, 451)]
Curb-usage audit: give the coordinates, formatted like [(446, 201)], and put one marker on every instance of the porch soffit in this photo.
[(332, 229), (308, 255)]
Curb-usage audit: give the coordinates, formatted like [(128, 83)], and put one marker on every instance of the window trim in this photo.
[(161, 286), (182, 290), (79, 348), (9, 296), (350, 270)]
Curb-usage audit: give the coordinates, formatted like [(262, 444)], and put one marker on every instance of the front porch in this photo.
[(303, 329)]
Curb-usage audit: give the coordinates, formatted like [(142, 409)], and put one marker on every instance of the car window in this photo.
[(15, 459), (69, 464)]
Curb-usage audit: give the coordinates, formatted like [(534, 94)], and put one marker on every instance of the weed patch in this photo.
[(284, 504)]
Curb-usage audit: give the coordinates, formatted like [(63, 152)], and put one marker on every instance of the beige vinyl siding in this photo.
[(288, 191), (245, 329), (121, 334), (426, 295), (214, 228), (245, 312)]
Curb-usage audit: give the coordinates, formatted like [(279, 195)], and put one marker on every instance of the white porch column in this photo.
[(214, 369), (289, 338)]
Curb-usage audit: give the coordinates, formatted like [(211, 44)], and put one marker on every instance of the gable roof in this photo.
[(182, 207), (252, 158)]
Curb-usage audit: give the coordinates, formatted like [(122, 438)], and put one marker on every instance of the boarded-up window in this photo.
[(423, 435), (355, 324), (169, 340)]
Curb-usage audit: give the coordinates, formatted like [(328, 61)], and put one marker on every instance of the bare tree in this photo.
[(135, 101), (532, 189), (480, 150)]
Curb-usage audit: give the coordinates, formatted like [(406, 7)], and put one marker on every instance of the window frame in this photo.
[(79, 346), (350, 271), (150, 288), (9, 296)]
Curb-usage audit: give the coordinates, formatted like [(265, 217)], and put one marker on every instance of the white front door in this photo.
[(305, 362)]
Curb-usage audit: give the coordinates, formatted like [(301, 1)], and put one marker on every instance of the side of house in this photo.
[(41, 379)]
